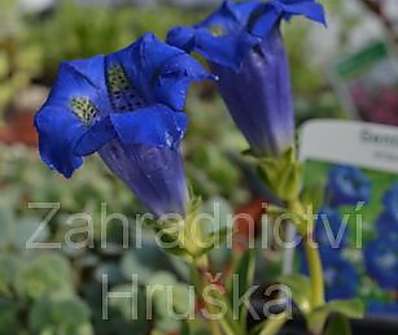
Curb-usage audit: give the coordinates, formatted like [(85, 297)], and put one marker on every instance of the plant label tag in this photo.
[(351, 178)]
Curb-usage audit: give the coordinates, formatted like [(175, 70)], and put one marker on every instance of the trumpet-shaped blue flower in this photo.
[(347, 185), (127, 106), (381, 260), (243, 45)]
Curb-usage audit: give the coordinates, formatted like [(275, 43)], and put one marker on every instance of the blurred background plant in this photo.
[(58, 292)]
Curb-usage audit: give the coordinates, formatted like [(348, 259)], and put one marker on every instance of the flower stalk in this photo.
[(289, 170), (199, 266), (316, 273), (313, 257), (200, 269)]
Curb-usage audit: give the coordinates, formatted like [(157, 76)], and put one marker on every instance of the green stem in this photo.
[(217, 327), (312, 255), (226, 327), (284, 176), (274, 324), (200, 283), (214, 329), (316, 273)]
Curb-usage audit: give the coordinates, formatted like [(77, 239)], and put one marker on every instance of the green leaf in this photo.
[(353, 309), (338, 324), (185, 329), (7, 222), (46, 274), (8, 317), (62, 316), (145, 262), (301, 290), (9, 266), (172, 300), (270, 326), (27, 227), (245, 272)]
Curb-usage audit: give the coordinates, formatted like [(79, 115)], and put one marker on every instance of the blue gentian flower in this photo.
[(347, 185), (127, 106), (381, 260), (330, 231), (341, 277), (243, 45), (390, 202)]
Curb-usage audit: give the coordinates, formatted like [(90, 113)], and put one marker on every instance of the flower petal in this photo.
[(141, 61), (175, 77), (230, 17), (156, 73), (92, 69), (154, 174), (156, 125), (275, 10), (77, 101), (95, 137), (259, 97), (265, 23), (222, 38), (308, 8), (58, 131), (228, 50), (80, 79), (182, 38)]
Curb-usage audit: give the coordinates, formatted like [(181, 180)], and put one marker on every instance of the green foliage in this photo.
[(47, 274), (338, 324), (316, 317), (300, 287), (87, 31), (60, 317), (245, 274), (353, 309), (171, 300), (10, 266), (8, 316)]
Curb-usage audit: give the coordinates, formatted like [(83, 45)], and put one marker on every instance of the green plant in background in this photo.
[(19, 59), (49, 287), (88, 30)]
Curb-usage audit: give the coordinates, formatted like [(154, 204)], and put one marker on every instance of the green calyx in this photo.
[(283, 175), (186, 237)]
